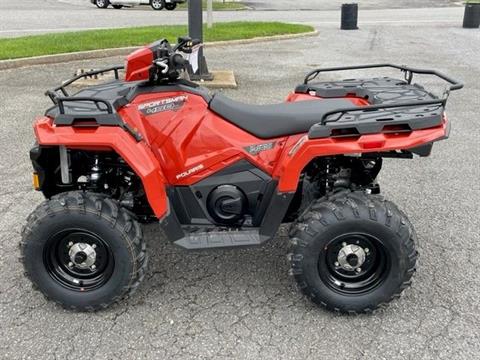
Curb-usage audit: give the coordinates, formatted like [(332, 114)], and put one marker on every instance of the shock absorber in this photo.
[(65, 165), (342, 178), (95, 174)]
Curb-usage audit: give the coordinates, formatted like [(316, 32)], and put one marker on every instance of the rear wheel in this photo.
[(353, 252), (157, 4), (83, 251), (171, 6), (118, 7), (102, 4)]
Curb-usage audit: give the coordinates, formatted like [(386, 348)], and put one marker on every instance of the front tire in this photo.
[(353, 252), (83, 251), (102, 4), (157, 4)]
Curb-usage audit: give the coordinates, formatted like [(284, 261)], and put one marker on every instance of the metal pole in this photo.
[(210, 13), (195, 30)]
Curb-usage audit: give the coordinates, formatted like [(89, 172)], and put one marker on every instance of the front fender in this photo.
[(136, 154)]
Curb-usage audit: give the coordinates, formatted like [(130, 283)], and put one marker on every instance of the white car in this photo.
[(155, 4)]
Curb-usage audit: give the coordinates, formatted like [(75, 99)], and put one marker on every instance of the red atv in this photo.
[(218, 173)]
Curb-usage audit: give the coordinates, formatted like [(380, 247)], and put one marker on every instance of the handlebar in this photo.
[(168, 61), (186, 43)]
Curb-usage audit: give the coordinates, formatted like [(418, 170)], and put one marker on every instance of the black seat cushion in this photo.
[(269, 121)]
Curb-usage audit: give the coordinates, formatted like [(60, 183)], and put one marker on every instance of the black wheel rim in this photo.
[(66, 272), (361, 279)]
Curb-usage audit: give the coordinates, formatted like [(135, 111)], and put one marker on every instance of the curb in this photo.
[(96, 54)]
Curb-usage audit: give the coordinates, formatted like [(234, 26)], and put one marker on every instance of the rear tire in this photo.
[(170, 6), (83, 251), (157, 4), (102, 4), (117, 7), (353, 252)]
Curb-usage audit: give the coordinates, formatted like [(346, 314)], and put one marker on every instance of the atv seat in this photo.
[(270, 121)]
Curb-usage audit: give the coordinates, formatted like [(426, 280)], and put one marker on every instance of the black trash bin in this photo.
[(349, 17), (471, 20)]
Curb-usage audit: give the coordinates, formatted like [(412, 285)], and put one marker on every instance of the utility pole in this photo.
[(195, 30)]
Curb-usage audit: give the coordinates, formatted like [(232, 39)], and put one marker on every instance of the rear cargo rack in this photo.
[(421, 110)]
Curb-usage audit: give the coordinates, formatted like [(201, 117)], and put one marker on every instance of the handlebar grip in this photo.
[(178, 59)]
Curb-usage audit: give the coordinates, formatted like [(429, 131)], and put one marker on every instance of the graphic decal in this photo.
[(258, 148), (190, 171), (168, 104)]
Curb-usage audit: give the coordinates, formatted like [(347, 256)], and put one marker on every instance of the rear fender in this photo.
[(136, 154), (299, 150)]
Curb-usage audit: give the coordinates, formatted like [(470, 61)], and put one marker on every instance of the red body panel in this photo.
[(292, 97), (194, 136), (138, 65), (137, 155), (290, 165), (189, 143)]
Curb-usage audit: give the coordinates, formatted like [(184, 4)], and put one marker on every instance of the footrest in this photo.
[(218, 239)]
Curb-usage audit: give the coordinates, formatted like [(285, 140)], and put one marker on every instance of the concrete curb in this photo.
[(96, 54)]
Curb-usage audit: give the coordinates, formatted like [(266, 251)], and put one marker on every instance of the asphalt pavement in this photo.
[(241, 303), (335, 4), (31, 17), (319, 4)]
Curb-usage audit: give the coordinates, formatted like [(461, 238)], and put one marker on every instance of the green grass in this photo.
[(49, 44), (219, 5)]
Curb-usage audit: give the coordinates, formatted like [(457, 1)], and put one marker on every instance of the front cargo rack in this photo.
[(396, 105), (79, 110), (56, 97)]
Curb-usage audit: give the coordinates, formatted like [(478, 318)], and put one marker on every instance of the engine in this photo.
[(232, 197), (238, 195), (100, 172), (227, 204)]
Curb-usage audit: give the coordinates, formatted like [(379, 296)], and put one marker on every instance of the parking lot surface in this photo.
[(318, 5), (241, 303), (31, 17), (335, 4)]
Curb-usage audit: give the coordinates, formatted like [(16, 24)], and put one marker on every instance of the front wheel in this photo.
[(353, 252), (157, 4), (83, 251), (102, 4)]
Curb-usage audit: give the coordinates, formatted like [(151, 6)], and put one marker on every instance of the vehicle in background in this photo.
[(155, 4)]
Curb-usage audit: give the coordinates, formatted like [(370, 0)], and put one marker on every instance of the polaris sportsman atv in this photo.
[(217, 173)]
